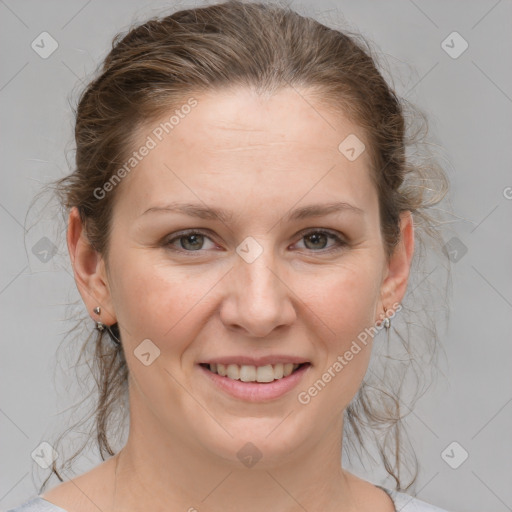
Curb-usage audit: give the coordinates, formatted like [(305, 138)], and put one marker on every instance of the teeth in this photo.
[(249, 373), (233, 371)]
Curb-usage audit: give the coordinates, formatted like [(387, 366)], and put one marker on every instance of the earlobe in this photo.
[(394, 285), (89, 271)]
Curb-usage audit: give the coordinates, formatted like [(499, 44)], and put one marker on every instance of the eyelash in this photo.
[(340, 243)]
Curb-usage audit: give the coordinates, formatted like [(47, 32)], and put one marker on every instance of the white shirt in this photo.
[(403, 503)]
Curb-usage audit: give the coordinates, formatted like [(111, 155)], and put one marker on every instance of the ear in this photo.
[(89, 271), (394, 285)]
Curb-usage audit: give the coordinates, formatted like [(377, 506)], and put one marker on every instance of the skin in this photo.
[(260, 157)]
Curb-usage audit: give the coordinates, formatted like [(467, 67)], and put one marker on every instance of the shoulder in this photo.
[(405, 503), (37, 504), (88, 492)]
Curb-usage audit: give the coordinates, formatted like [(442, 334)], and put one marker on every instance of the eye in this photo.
[(189, 241), (317, 238), (194, 240)]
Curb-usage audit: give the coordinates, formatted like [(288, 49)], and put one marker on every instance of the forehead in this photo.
[(235, 144)]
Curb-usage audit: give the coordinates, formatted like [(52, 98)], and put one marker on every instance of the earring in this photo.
[(387, 321), (100, 326)]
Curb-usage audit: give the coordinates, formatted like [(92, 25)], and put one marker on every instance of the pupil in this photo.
[(192, 237), (315, 236)]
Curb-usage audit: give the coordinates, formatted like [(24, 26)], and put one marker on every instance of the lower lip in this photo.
[(257, 391)]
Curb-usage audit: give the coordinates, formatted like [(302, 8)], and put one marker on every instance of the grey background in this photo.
[(469, 102)]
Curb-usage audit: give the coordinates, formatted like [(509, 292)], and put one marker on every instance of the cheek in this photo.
[(155, 301), (160, 302), (345, 302), (345, 299)]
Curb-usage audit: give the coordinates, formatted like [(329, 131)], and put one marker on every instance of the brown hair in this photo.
[(154, 66)]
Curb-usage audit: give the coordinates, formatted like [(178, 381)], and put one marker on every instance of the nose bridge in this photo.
[(259, 301), (256, 270), (256, 259)]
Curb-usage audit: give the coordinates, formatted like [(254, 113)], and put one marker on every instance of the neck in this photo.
[(157, 469)]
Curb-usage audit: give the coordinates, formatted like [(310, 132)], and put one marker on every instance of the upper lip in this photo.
[(255, 361)]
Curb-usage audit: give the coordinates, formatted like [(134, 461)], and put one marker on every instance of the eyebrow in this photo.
[(223, 215)]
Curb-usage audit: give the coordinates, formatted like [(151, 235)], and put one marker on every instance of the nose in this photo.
[(258, 298)]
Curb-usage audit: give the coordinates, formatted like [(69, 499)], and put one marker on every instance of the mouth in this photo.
[(255, 383), (249, 373)]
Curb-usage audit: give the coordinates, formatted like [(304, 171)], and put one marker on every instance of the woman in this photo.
[(241, 227)]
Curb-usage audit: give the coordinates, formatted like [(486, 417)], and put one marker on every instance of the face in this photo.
[(273, 280)]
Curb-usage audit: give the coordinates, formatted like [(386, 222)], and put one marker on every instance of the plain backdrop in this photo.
[(467, 93)]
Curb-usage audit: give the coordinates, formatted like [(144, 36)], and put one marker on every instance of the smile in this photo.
[(255, 383), (249, 373)]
